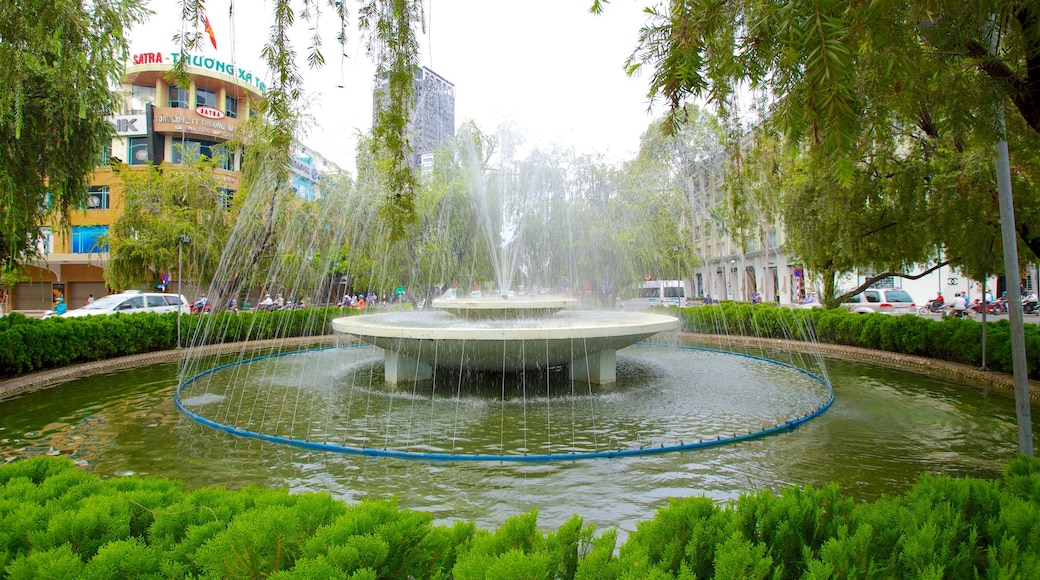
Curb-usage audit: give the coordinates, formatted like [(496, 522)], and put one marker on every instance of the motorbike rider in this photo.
[(937, 302), (1029, 303), (958, 306)]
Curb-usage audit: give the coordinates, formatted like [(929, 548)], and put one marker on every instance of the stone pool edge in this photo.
[(49, 378)]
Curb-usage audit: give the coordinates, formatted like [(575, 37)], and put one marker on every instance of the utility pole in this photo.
[(181, 240), (1009, 240)]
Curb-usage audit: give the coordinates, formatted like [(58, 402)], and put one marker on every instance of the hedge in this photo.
[(30, 344), (59, 522), (956, 340)]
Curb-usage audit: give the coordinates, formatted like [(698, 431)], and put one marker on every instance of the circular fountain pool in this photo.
[(665, 399)]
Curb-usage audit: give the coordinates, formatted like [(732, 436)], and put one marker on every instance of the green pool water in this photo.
[(885, 429)]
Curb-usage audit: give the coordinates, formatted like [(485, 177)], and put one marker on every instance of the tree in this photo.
[(851, 81), (847, 78), (161, 204), (61, 59)]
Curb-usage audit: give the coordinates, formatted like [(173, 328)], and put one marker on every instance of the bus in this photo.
[(659, 293)]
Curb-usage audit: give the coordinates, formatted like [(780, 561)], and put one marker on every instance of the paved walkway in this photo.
[(49, 378)]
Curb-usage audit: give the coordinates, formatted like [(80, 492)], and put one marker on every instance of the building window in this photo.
[(104, 157), (97, 197), (178, 97), (227, 197), (186, 149), (46, 242), (85, 239), (205, 98), (140, 98), (138, 150), (889, 282), (231, 106)]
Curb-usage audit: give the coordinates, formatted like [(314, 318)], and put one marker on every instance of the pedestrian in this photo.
[(90, 299), (60, 307)]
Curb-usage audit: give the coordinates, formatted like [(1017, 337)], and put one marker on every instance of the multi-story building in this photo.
[(158, 123), (734, 262), (433, 116)]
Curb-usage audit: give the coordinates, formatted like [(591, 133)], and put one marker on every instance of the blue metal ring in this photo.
[(544, 457)]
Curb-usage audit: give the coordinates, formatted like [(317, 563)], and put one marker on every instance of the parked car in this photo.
[(133, 302), (884, 300)]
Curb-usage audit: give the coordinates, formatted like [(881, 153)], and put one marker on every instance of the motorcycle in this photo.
[(966, 313), (995, 307), (933, 307), (197, 308), (1030, 308)]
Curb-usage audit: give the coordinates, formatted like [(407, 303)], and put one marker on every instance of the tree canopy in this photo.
[(884, 114), (61, 58)]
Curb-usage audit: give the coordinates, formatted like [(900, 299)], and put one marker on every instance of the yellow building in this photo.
[(156, 117)]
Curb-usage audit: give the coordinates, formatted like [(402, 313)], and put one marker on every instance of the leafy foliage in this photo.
[(61, 60), (942, 527), (951, 339)]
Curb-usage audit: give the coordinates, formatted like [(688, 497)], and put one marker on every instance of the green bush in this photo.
[(30, 344), (58, 522), (951, 339)]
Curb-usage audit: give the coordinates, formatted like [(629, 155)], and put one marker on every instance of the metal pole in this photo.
[(984, 305), (1009, 241), (180, 244), (1018, 338)]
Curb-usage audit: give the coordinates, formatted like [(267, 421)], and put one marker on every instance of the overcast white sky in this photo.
[(547, 66)]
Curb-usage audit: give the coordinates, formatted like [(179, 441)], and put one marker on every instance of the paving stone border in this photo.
[(50, 378)]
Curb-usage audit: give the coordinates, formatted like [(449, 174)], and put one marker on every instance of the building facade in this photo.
[(433, 115), (158, 123), (739, 263)]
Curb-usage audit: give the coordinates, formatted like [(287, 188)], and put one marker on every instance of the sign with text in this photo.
[(203, 62), (130, 125), (172, 120)]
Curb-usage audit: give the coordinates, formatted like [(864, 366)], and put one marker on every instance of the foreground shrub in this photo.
[(58, 522)]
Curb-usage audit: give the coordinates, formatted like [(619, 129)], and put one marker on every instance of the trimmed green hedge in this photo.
[(59, 522), (956, 340), (31, 344)]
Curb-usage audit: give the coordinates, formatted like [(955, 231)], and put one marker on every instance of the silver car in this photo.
[(133, 302), (883, 300)]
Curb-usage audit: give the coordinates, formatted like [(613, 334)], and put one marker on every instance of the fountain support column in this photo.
[(598, 368), (401, 368)]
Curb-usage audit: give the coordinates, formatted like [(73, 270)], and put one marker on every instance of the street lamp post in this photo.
[(181, 240), (678, 271)]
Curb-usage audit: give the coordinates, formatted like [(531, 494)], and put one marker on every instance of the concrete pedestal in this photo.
[(598, 368), (401, 368)]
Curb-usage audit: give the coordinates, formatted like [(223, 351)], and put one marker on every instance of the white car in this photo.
[(883, 300), (133, 302)]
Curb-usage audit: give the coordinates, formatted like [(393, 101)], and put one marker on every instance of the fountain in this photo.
[(520, 375), (507, 335)]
